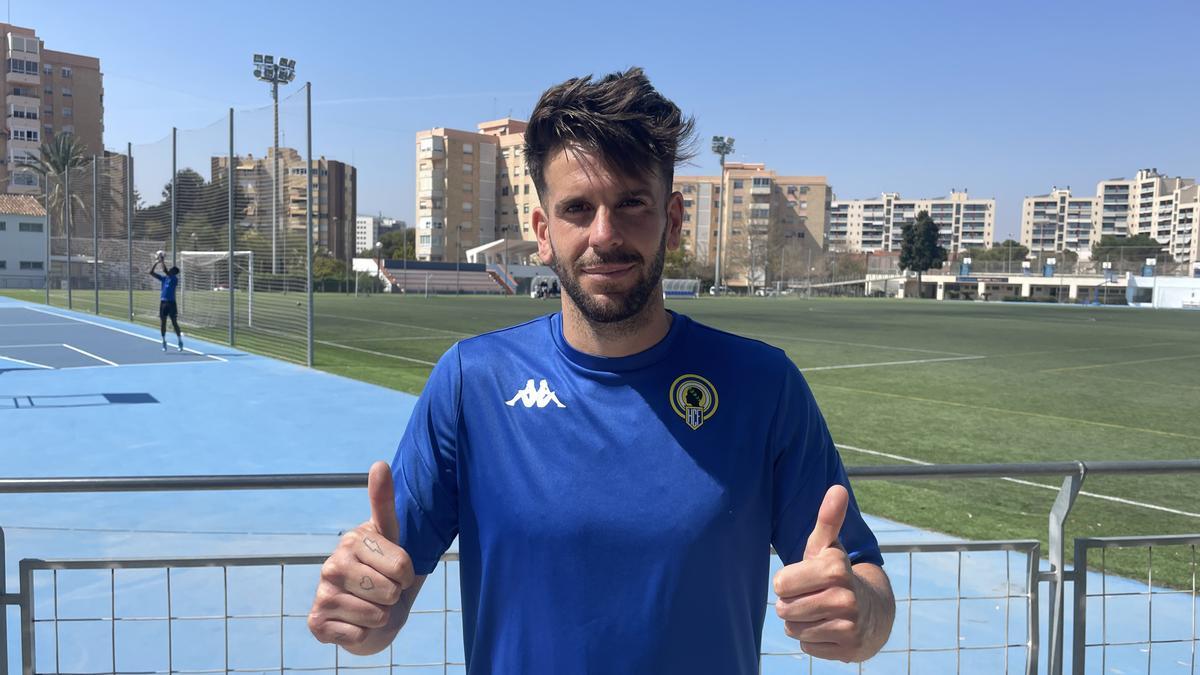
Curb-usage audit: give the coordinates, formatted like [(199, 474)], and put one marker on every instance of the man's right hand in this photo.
[(368, 585)]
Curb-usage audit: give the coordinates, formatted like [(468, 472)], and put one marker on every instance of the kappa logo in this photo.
[(540, 397)]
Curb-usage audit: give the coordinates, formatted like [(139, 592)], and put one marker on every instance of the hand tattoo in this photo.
[(372, 546), (366, 584)]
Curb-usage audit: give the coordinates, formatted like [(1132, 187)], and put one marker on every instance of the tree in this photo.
[(1111, 248), (1004, 251), (63, 153), (678, 264), (397, 244), (919, 250)]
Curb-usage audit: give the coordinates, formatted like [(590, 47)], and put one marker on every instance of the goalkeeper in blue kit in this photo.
[(167, 308)]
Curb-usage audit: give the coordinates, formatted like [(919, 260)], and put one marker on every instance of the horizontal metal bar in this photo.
[(1019, 545), (313, 481), (1139, 541), (39, 564), (221, 617)]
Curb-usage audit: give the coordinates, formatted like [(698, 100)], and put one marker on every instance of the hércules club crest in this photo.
[(694, 399)]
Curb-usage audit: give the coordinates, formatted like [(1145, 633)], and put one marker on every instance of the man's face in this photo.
[(605, 234)]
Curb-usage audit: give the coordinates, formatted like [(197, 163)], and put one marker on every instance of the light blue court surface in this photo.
[(87, 396)]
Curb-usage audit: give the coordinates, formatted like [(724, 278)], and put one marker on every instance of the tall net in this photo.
[(212, 203)]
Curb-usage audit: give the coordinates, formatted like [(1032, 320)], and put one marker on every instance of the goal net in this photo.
[(204, 290)]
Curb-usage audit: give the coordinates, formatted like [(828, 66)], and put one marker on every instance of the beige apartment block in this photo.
[(335, 198), (1150, 203), (456, 192), (872, 225), (47, 93), (765, 219)]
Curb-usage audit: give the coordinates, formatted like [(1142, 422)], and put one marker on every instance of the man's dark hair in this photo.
[(173, 271), (632, 128)]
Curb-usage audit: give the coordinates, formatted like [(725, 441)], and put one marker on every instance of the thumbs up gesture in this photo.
[(368, 585), (821, 599)]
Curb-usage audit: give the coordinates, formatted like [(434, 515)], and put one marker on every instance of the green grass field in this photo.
[(921, 381)]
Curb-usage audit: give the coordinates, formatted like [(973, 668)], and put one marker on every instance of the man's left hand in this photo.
[(823, 603)]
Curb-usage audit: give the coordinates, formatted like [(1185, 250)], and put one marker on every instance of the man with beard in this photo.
[(615, 473)]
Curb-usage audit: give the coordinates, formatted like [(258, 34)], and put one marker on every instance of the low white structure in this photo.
[(1163, 292), (23, 242)]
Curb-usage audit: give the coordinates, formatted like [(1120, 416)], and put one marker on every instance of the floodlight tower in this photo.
[(283, 72), (722, 146)]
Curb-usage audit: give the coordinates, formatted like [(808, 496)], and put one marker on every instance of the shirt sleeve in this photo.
[(425, 469), (806, 465)]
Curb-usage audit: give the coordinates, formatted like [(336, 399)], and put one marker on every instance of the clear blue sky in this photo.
[(1005, 99)]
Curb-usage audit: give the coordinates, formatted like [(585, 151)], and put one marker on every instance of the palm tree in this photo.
[(60, 155)]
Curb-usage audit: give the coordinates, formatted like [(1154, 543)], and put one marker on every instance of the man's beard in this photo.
[(624, 305)]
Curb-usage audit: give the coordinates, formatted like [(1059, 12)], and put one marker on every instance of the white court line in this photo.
[(47, 323), (28, 363), (1094, 495), (892, 363), (122, 330), (854, 344), (48, 344), (98, 358), (375, 353)]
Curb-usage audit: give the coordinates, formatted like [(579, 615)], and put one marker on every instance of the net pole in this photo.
[(129, 220), (309, 223), (67, 228), (229, 177), (46, 206), (174, 193), (95, 237)]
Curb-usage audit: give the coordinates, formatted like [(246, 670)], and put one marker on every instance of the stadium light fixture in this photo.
[(722, 146), (275, 74)]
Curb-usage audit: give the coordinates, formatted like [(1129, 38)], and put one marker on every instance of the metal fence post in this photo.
[(49, 231), (4, 599), (95, 237), (229, 177), (129, 220), (174, 195), (67, 229), (1079, 626), (308, 227), (1058, 576)]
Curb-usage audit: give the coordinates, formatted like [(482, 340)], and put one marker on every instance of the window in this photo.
[(526, 208), (23, 67), (46, 68), (468, 148), (66, 72), (803, 189), (29, 227), (687, 203), (467, 187), (424, 239), (66, 91), (468, 168), (468, 207), (687, 218), (526, 189), (23, 135), (22, 112), (31, 264), (737, 184), (18, 43), (67, 112), (762, 182), (737, 199), (3, 263), (791, 189), (48, 90), (504, 191), (3, 225), (24, 178)]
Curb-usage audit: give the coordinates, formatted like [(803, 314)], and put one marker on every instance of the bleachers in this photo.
[(444, 281)]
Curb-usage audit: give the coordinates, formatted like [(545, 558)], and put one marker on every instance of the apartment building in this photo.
[(872, 225), (760, 215), (47, 93), (1150, 203), (368, 230), (335, 199)]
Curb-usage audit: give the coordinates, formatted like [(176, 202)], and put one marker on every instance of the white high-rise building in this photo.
[(368, 230), (1150, 203), (871, 225)]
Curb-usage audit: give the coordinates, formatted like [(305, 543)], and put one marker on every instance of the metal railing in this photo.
[(1056, 577)]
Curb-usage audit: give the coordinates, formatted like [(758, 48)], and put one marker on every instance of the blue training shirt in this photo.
[(614, 514), (169, 282)]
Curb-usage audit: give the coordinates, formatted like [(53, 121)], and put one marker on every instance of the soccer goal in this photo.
[(204, 288), (681, 288)]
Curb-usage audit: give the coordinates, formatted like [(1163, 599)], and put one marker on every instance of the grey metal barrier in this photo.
[(1056, 578)]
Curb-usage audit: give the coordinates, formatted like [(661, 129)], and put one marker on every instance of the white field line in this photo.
[(854, 344), (402, 339), (48, 344), (89, 354), (122, 330), (1120, 363), (152, 364), (27, 363), (1094, 495), (892, 363), (375, 353), (396, 323)]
